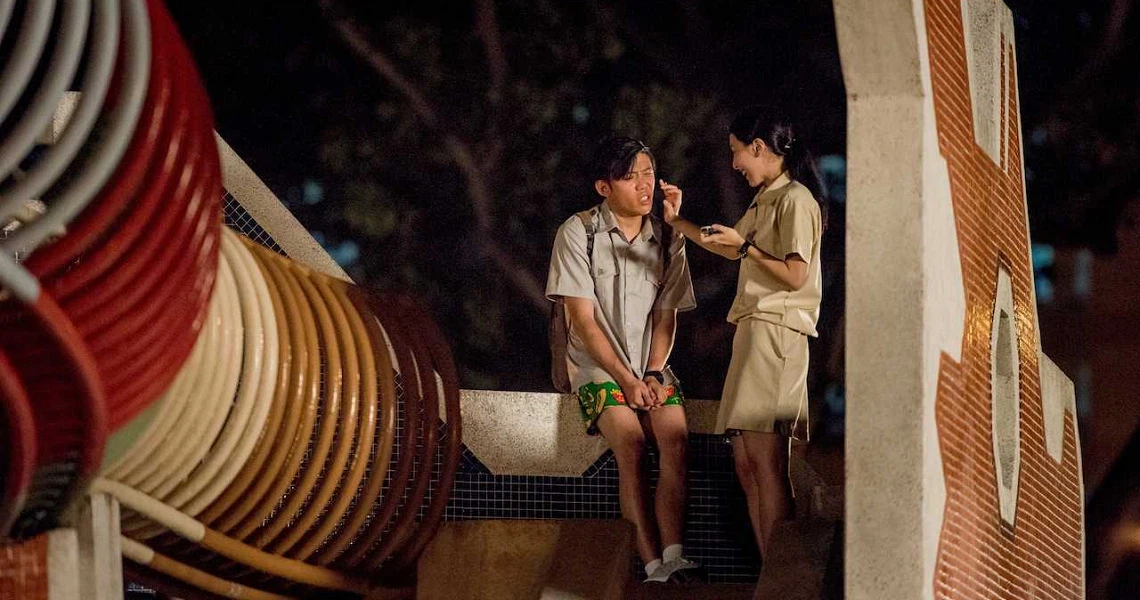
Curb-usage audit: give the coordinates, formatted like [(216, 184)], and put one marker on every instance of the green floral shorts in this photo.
[(593, 398)]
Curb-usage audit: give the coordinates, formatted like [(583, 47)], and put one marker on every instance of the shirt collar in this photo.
[(647, 233), (606, 220), (764, 193), (607, 223)]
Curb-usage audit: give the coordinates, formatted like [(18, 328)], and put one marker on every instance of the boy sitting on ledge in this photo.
[(622, 275)]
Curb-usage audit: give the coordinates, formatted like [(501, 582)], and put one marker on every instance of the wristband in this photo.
[(744, 249), (658, 375)]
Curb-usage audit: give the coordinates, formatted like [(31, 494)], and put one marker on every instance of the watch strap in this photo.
[(744, 248)]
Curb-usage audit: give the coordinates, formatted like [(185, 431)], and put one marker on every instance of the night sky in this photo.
[(341, 147)]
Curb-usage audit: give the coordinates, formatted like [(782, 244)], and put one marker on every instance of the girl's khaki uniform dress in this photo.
[(766, 386)]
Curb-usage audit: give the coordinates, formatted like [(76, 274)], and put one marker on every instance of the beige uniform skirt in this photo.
[(766, 386)]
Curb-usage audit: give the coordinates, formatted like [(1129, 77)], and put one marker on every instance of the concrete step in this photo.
[(824, 502), (806, 562), (525, 560), (815, 497), (689, 591)]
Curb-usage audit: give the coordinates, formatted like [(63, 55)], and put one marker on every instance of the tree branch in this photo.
[(670, 64), (696, 27), (487, 27), (477, 188), (1114, 29), (460, 151), (480, 193), (728, 198), (379, 62), (519, 276)]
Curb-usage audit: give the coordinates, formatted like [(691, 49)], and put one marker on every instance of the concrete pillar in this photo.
[(940, 444)]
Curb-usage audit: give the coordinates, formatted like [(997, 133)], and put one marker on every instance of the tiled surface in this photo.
[(237, 218), (717, 531)]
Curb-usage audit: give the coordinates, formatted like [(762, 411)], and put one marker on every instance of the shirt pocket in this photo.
[(653, 280), (603, 271), (649, 289), (605, 282), (605, 276)]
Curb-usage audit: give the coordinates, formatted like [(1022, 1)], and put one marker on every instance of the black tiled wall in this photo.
[(717, 532)]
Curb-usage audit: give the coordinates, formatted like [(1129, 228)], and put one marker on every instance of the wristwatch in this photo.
[(658, 375), (744, 249)]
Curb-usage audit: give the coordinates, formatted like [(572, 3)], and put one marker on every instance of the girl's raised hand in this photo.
[(672, 205)]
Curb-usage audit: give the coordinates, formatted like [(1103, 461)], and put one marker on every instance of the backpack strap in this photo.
[(587, 219), (558, 330)]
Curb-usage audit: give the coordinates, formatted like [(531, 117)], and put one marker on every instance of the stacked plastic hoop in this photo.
[(50, 331), (271, 426), (275, 447)]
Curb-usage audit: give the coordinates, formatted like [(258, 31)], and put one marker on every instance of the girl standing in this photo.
[(776, 308)]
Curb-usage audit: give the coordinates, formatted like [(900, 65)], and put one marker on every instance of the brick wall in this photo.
[(23, 569), (979, 554)]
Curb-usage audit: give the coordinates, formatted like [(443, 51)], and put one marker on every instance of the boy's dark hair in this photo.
[(614, 158)]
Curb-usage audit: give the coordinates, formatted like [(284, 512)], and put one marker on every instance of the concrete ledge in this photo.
[(261, 204), (532, 433), (798, 568)]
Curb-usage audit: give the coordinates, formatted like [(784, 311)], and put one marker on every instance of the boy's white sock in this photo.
[(672, 552), (651, 566)]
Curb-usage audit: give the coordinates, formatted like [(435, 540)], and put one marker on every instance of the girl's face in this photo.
[(753, 160)]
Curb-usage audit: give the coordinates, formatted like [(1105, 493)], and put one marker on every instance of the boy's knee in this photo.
[(670, 426), (631, 446), (673, 464), (673, 443)]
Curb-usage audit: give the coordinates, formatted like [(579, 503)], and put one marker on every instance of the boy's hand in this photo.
[(672, 205), (637, 394), (658, 393)]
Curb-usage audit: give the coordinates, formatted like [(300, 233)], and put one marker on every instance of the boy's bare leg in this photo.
[(666, 426), (622, 430)]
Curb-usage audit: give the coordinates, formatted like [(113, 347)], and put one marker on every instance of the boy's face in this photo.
[(632, 195)]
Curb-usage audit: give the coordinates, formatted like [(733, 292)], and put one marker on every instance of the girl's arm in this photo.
[(672, 214), (693, 232), (791, 271)]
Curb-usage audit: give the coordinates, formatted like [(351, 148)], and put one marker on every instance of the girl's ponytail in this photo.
[(777, 132)]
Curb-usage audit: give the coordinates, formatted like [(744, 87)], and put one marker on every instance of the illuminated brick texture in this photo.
[(981, 554)]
